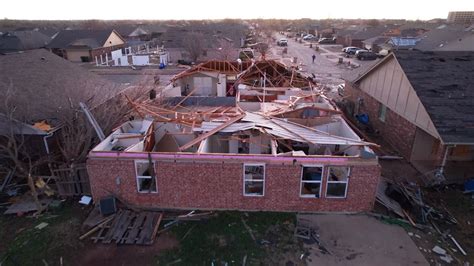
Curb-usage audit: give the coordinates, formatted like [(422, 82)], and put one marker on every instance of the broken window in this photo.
[(382, 112), (146, 179), (254, 179), (311, 178), (338, 176)]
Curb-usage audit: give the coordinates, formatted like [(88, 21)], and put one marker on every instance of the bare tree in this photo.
[(225, 49), (262, 48), (194, 44), (15, 153)]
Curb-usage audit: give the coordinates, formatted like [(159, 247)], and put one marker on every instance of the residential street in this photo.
[(325, 67)]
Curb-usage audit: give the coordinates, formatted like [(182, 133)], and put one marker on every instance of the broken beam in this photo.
[(210, 132)]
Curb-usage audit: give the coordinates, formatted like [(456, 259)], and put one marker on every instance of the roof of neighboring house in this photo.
[(124, 30), (175, 36), (376, 40), (88, 38), (10, 126), (370, 32), (22, 40), (403, 42), (444, 82), (441, 36), (464, 43), (412, 32), (42, 84)]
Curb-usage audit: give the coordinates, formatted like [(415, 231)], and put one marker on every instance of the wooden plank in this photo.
[(123, 226), (134, 106), (210, 132), (145, 234), (99, 235), (135, 229), (155, 230), (101, 225), (110, 233)]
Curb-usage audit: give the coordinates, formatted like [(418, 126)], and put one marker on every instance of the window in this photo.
[(338, 177), (382, 112), (254, 179), (146, 177), (311, 178)]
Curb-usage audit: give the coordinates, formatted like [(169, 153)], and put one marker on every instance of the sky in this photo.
[(245, 9)]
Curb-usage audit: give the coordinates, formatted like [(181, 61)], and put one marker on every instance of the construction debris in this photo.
[(128, 227), (439, 250)]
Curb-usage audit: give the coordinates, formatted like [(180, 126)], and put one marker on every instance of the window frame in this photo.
[(253, 180), (338, 182), (138, 177), (313, 182)]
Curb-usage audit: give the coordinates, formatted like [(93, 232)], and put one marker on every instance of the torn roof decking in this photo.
[(283, 129)]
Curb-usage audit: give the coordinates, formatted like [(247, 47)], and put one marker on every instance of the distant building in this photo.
[(85, 45), (462, 17), (14, 41)]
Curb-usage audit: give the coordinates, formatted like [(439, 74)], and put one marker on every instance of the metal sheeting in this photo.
[(208, 126), (283, 129)]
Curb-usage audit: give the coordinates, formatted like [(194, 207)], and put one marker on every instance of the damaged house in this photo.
[(422, 104), (85, 45), (286, 153)]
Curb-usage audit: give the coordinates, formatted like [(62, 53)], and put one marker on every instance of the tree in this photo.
[(14, 151), (225, 49), (194, 45), (262, 48)]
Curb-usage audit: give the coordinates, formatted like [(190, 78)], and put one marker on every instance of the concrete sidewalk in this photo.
[(361, 240)]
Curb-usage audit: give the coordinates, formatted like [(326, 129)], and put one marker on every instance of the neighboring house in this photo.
[(398, 43), (353, 36), (412, 32), (375, 44), (42, 84), (145, 32), (14, 41), (292, 153), (211, 36), (36, 140), (85, 45), (455, 36), (422, 104)]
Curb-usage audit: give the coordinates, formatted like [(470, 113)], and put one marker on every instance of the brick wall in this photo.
[(219, 185), (397, 131)]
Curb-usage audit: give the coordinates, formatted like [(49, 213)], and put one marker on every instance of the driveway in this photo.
[(360, 240)]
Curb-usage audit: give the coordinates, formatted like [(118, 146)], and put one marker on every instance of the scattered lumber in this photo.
[(127, 227)]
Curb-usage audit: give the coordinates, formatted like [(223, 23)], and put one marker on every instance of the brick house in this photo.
[(422, 103), (85, 45), (302, 156)]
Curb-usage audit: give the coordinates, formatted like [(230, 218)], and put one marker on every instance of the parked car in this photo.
[(360, 51), (346, 49), (308, 37), (282, 42), (353, 50), (366, 55), (327, 41)]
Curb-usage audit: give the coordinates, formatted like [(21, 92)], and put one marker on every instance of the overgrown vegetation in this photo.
[(225, 239)]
